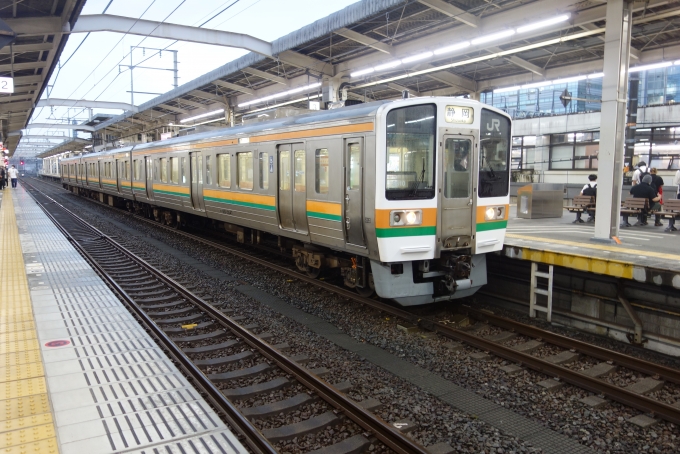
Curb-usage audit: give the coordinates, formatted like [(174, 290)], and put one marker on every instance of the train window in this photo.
[(494, 149), (183, 171), (149, 169), (457, 168), (174, 170), (224, 170), (164, 170), (284, 170), (321, 170), (200, 168), (264, 170), (156, 171), (410, 160), (300, 182), (354, 166), (244, 176), (208, 170), (127, 170), (135, 169)]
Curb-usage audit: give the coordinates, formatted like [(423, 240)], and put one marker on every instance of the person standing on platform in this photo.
[(13, 174), (588, 189), (3, 177), (640, 172), (657, 183)]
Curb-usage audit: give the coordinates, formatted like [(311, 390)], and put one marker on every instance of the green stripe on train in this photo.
[(243, 204), (492, 226), (406, 231), (158, 191), (328, 217)]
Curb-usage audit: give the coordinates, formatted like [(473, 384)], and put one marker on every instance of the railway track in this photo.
[(522, 353), (225, 360)]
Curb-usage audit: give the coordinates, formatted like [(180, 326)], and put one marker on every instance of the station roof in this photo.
[(41, 28)]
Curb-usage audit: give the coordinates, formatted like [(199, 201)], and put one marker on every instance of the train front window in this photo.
[(410, 153), (494, 154)]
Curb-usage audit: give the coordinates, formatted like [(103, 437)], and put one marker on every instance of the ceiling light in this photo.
[(362, 72), (447, 49), (282, 94), (203, 115), (492, 37), (389, 65), (506, 89), (596, 76), (537, 84), (663, 64), (417, 57), (569, 79), (541, 24)]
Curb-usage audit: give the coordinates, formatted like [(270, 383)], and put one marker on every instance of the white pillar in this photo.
[(613, 119)]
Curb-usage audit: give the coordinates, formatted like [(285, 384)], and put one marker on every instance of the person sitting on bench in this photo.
[(588, 189), (642, 191)]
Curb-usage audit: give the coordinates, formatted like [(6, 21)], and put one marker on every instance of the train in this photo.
[(400, 198)]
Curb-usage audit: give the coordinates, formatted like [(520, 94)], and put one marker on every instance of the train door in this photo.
[(354, 191), (196, 164), (117, 173), (455, 199), (292, 192), (148, 171)]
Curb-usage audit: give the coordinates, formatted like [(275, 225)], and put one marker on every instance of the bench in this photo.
[(670, 209), (633, 206), (581, 203)]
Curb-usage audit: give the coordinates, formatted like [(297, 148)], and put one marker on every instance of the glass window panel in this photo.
[(224, 170), (174, 170), (264, 170), (164, 170), (300, 182), (199, 169), (245, 170), (457, 168), (354, 166), (284, 170), (127, 170), (562, 157), (182, 169), (321, 170), (208, 170), (494, 155)]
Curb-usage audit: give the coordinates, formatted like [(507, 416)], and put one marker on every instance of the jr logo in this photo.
[(494, 125)]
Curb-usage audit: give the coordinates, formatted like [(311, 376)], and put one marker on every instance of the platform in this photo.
[(80, 375), (646, 254)]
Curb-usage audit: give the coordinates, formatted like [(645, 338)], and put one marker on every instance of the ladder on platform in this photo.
[(533, 307)]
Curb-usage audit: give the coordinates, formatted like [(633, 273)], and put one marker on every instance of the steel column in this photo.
[(613, 118)]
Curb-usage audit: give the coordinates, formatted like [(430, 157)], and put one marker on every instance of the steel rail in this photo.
[(386, 433), (254, 438), (623, 360)]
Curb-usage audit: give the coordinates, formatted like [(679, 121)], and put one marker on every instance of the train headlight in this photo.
[(494, 213), (406, 217)]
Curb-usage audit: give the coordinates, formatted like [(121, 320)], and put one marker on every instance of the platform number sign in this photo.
[(6, 85), (460, 114)]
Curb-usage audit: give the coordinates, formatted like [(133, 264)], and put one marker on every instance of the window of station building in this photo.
[(300, 177), (523, 154), (658, 147), (321, 171), (264, 170), (576, 150), (244, 175), (164, 170), (224, 170), (174, 170)]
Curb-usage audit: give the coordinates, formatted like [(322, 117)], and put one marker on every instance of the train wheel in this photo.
[(313, 272), (367, 291)]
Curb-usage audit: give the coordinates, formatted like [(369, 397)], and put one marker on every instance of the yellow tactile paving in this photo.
[(26, 424)]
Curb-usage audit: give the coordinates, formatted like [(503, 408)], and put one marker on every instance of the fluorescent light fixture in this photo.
[(281, 95), (676, 62), (566, 80), (537, 84), (541, 24), (492, 37), (447, 49), (389, 65), (362, 72), (596, 76), (643, 129), (506, 89), (417, 57), (203, 115), (663, 64)]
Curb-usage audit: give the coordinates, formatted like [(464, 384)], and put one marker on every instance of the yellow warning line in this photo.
[(599, 247), (26, 425)]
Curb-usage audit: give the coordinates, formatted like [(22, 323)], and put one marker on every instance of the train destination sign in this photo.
[(460, 114)]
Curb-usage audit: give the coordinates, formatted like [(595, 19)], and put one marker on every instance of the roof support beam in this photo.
[(235, 87), (401, 88), (27, 80), (453, 80), (47, 25), (365, 40), (173, 109), (452, 11), (20, 66), (304, 61), (15, 106), (59, 126), (22, 48), (522, 63), (208, 96), (85, 103), (190, 103), (266, 75), (131, 26)]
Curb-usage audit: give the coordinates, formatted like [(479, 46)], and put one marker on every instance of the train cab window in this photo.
[(224, 170), (174, 170), (264, 170), (321, 170), (410, 168), (244, 175), (457, 168), (494, 150), (208, 170), (300, 182), (164, 170)]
